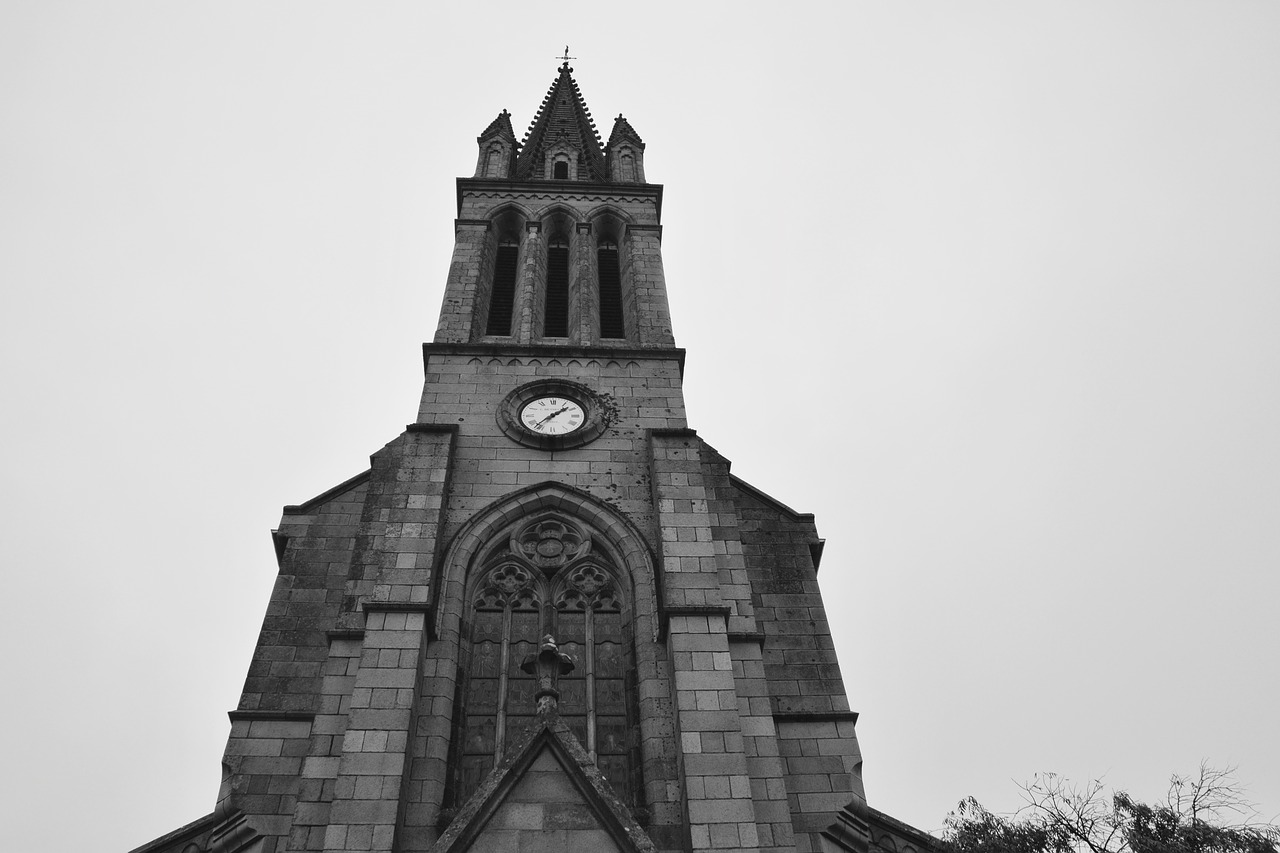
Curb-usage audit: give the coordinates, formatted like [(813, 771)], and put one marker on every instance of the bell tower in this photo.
[(547, 617)]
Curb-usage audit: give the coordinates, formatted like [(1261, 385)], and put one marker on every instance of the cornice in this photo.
[(586, 189), (560, 351)]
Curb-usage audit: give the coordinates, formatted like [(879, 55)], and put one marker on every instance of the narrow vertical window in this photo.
[(611, 322), (628, 168), (555, 322), (593, 696), (499, 697), (503, 294), (491, 165), (560, 170)]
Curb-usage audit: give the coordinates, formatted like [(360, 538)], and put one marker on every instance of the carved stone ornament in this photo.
[(588, 580), (548, 664), (508, 583), (550, 544), (588, 587)]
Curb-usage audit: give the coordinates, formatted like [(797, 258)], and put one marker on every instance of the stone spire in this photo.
[(499, 127), (623, 131), (562, 130), (498, 148), (624, 153)]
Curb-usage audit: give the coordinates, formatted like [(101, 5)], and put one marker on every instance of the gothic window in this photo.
[(503, 293), (628, 168), (491, 163), (555, 323), (611, 321), (560, 170), (547, 579)]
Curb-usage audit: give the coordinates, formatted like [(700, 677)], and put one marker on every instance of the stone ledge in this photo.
[(673, 432), (288, 716), (451, 429), (396, 607), (664, 617), (815, 716)]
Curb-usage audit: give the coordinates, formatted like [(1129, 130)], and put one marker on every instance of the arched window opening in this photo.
[(491, 163), (548, 580), (628, 168), (502, 296), (593, 696), (612, 324), (499, 697), (555, 323), (560, 170)]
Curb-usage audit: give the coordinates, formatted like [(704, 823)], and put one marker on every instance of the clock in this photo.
[(553, 414)]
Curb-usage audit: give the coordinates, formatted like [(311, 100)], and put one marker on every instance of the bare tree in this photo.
[(1204, 813)]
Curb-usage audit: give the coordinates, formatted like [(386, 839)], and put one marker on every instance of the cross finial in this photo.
[(566, 57)]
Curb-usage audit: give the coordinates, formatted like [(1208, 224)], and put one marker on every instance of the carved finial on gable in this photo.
[(548, 665)]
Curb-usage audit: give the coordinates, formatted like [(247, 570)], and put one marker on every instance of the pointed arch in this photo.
[(501, 267), (597, 214), (613, 301), (508, 207), (547, 559), (620, 538), (555, 209)]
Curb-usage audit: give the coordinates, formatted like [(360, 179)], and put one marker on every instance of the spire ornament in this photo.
[(566, 58)]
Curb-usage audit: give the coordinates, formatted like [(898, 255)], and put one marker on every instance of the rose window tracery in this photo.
[(550, 544)]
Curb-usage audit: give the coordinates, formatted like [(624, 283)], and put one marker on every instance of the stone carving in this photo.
[(550, 544), (588, 587), (510, 584)]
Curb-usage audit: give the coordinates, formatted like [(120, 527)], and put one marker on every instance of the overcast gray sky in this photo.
[(991, 288)]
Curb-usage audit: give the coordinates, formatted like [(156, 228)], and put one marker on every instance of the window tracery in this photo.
[(546, 578)]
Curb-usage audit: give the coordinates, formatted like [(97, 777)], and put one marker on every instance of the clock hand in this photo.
[(552, 415)]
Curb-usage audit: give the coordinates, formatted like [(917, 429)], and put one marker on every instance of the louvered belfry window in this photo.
[(611, 322), (547, 580), (503, 294), (556, 317)]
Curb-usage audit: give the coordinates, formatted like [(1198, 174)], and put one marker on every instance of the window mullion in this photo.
[(589, 640), (500, 726)]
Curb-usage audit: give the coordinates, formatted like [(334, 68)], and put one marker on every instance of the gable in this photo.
[(546, 795), (545, 811)]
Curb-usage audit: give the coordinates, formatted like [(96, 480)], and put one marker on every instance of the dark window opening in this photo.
[(560, 170), (611, 321), (503, 295), (555, 322)]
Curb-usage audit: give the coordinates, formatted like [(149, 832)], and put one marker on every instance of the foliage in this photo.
[(1205, 813)]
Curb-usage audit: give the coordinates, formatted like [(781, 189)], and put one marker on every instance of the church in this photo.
[(548, 617)]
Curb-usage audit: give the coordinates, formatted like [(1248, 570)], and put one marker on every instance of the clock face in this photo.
[(552, 416)]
